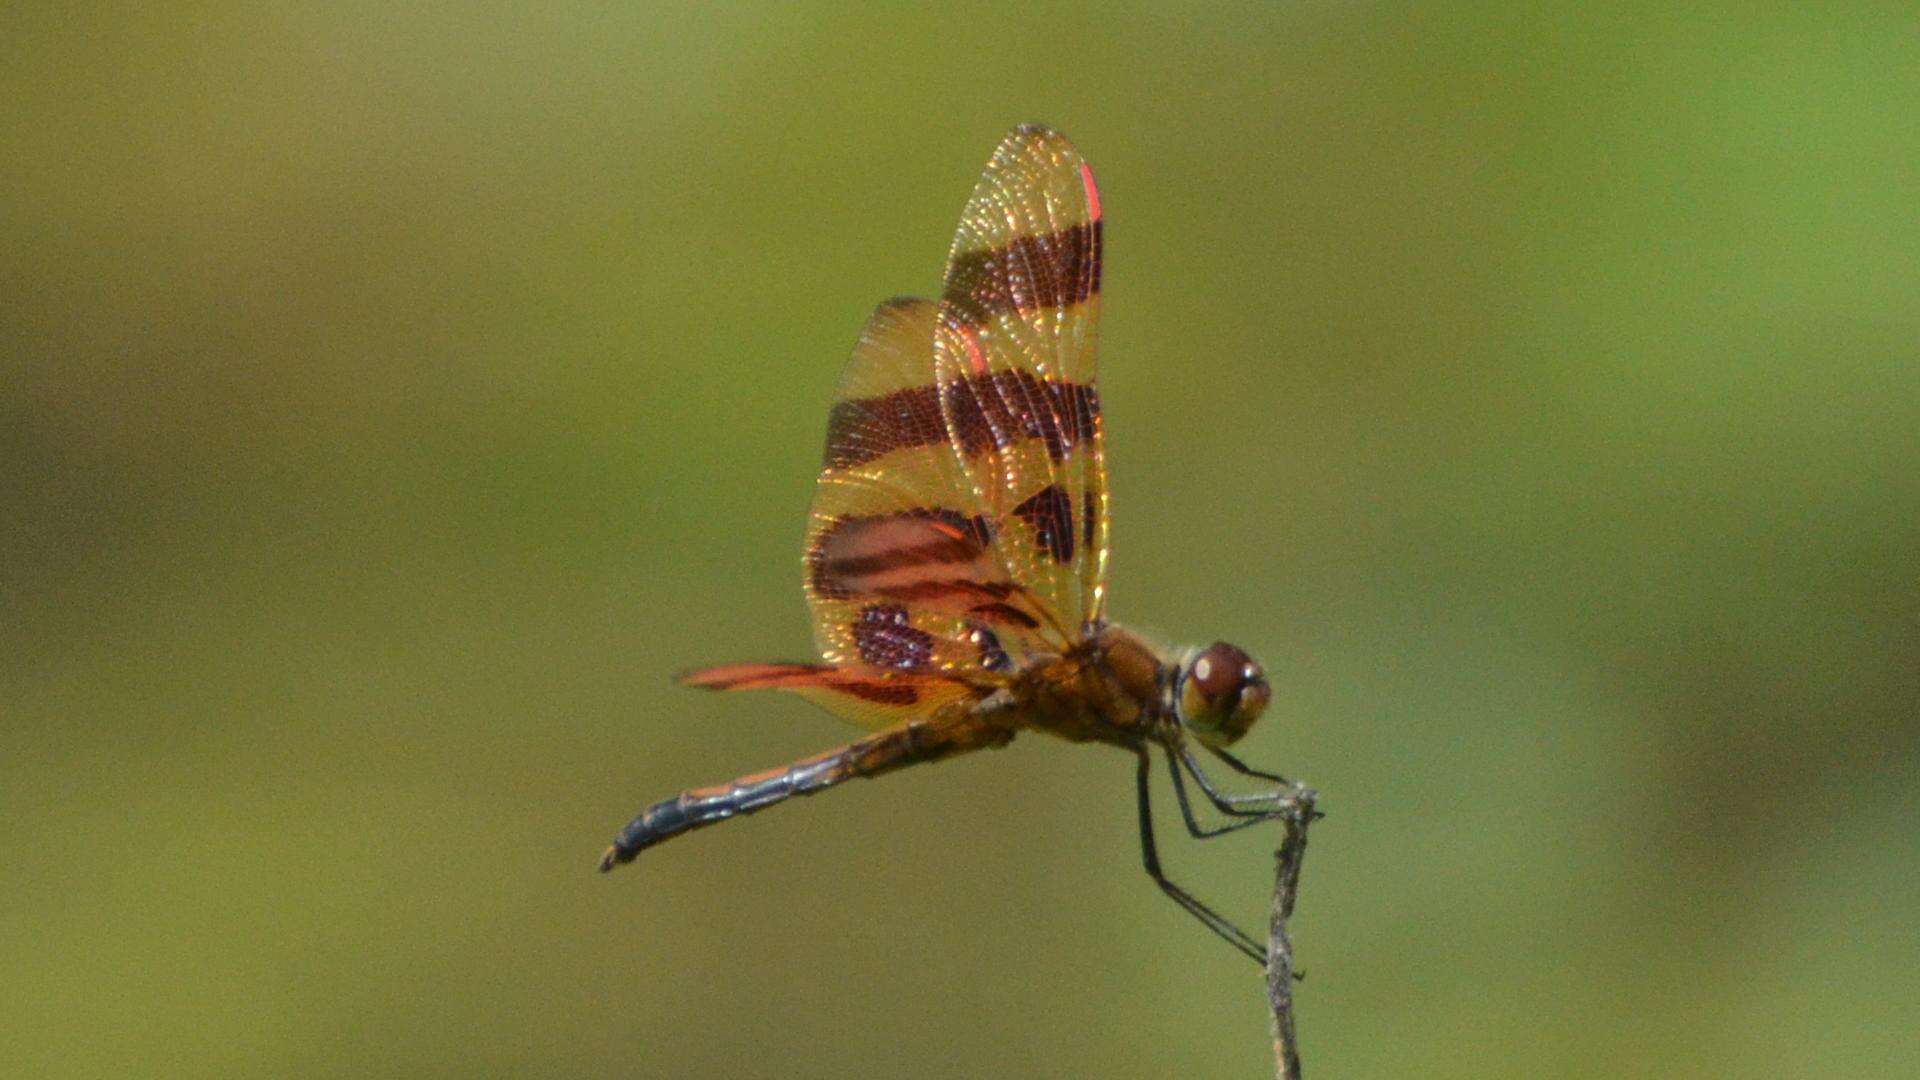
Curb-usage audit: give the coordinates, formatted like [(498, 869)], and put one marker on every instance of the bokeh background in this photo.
[(392, 400)]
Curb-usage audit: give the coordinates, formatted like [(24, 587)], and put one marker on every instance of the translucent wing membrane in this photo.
[(903, 565), (868, 699), (1015, 357), (960, 522)]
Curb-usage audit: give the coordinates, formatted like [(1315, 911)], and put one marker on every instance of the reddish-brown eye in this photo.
[(1221, 671), (1224, 693)]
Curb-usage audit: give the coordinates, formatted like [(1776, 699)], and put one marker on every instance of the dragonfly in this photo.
[(956, 552)]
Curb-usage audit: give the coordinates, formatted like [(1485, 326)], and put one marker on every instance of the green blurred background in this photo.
[(390, 402)]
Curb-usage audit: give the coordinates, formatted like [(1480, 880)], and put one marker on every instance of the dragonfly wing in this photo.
[(903, 570), (869, 699), (1015, 354), (960, 520)]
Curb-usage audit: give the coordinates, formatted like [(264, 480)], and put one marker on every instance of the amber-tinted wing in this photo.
[(909, 597), (903, 566), (1015, 358), (960, 520)]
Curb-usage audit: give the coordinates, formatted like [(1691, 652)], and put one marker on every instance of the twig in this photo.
[(1297, 814)]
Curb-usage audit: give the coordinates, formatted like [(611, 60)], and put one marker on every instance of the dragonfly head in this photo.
[(1221, 692)]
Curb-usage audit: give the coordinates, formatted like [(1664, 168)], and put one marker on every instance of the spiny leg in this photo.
[(1245, 769), (1149, 855), (1194, 828), (1262, 803)]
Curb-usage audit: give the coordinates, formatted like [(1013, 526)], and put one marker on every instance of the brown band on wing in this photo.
[(856, 556), (1013, 404), (883, 693), (984, 408), (922, 556), (939, 550), (1056, 269), (936, 593), (864, 429), (1049, 512), (1005, 614)]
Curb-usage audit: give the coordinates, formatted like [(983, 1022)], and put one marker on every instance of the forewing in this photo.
[(1015, 356)]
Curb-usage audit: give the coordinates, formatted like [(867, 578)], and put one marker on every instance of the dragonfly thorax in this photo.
[(1111, 687), (1117, 687)]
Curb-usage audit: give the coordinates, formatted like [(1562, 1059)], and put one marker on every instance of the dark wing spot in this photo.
[(886, 638), (993, 656), (1050, 514)]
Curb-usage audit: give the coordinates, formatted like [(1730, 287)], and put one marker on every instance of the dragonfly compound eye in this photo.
[(1223, 693)]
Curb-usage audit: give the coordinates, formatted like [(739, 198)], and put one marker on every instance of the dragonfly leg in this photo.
[(1245, 769), (1149, 855), (1259, 805), (1194, 828), (896, 747)]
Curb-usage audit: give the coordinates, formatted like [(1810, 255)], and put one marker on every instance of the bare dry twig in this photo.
[(1296, 814)]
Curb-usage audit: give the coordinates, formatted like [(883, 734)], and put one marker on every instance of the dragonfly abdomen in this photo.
[(907, 744)]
